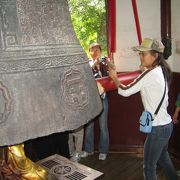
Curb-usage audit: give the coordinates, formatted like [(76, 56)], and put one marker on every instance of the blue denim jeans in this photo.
[(104, 133), (156, 152)]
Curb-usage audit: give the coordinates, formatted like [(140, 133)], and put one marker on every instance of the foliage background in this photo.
[(89, 21)]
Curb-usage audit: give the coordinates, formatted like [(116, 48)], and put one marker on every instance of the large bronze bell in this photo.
[(46, 83)]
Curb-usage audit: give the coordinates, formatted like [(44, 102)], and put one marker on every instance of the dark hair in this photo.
[(160, 61)]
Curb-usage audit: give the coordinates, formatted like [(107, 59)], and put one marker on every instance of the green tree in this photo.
[(89, 21)]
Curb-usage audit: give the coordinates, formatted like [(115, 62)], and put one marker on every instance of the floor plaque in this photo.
[(61, 168)]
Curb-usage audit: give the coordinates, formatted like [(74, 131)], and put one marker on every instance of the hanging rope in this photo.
[(138, 29)]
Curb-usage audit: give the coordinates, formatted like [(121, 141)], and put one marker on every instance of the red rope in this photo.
[(107, 28), (112, 13), (138, 29)]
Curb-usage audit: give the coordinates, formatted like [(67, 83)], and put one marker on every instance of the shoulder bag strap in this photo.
[(162, 98)]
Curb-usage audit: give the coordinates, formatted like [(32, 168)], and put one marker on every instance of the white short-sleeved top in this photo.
[(151, 84)]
